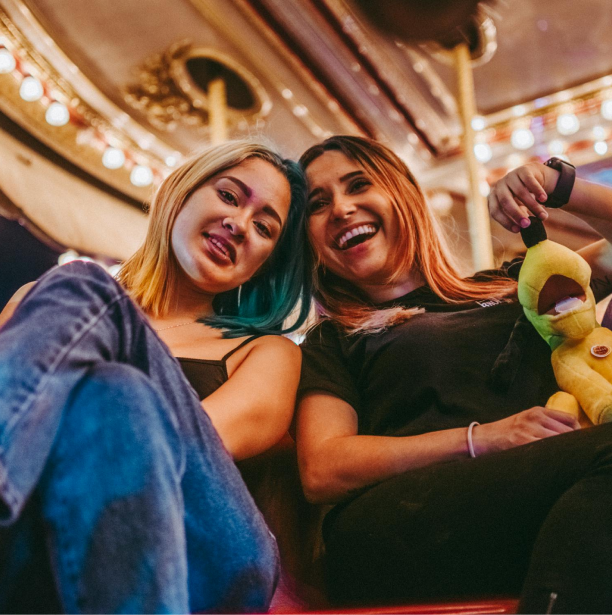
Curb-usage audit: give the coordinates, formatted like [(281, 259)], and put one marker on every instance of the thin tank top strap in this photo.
[(243, 343)]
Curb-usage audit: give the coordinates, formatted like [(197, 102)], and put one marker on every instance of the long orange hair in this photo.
[(422, 246)]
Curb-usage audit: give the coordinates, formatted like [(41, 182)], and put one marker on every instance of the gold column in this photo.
[(217, 110), (477, 210)]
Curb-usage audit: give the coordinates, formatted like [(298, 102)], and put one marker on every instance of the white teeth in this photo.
[(219, 245), (359, 230)]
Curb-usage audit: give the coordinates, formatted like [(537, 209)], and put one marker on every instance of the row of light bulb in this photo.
[(141, 175), (567, 124), (58, 114), (32, 89)]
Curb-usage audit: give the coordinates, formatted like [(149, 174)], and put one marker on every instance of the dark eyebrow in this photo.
[(343, 179), (247, 191), (268, 209)]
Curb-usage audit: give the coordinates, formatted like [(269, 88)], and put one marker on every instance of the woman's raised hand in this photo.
[(522, 428), (520, 194)]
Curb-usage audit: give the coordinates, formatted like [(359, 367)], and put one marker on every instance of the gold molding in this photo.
[(167, 94), (214, 16)]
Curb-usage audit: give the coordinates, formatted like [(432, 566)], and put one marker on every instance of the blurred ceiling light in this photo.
[(300, 111), (519, 110), (556, 147), (606, 109), (113, 158), (57, 114), (515, 160), (600, 147), (441, 203), (483, 152), (141, 176), (568, 124), (478, 122), (31, 89), (7, 61), (172, 160), (522, 138), (599, 132)]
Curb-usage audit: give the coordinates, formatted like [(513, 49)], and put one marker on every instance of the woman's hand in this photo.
[(527, 426), (520, 194)]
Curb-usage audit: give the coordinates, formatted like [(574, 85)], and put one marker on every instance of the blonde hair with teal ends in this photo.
[(151, 275)]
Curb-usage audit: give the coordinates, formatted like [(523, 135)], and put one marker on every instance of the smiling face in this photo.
[(353, 225), (229, 226)]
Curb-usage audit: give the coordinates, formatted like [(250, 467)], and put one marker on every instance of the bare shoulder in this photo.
[(278, 344)]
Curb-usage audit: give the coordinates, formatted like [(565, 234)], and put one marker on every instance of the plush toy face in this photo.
[(554, 291)]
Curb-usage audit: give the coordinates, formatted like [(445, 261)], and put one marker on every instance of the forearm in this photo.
[(591, 203), (347, 464)]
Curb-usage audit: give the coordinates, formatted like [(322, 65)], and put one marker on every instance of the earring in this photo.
[(239, 294)]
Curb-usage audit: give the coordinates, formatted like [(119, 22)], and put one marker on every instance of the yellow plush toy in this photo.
[(553, 288)]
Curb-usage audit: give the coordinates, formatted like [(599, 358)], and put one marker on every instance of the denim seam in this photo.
[(9, 492)]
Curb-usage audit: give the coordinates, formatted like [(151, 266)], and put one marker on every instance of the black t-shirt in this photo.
[(433, 371)]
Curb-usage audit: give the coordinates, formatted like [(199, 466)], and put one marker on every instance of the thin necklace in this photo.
[(182, 324)]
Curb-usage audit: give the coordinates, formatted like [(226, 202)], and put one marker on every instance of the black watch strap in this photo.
[(563, 190)]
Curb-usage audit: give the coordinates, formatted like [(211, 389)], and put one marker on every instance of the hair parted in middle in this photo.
[(265, 301), (422, 245)]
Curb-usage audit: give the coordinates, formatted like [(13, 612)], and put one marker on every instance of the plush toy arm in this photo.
[(591, 389)]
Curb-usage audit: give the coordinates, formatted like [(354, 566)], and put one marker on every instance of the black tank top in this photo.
[(207, 375)]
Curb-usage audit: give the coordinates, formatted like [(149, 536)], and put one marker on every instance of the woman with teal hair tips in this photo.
[(124, 403)]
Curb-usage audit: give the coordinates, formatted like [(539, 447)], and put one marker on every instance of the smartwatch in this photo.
[(563, 190)]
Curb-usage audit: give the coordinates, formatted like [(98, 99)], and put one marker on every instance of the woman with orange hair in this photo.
[(439, 459), (118, 491)]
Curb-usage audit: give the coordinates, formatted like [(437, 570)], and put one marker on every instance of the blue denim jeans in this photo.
[(116, 493)]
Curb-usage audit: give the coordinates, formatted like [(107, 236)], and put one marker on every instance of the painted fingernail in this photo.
[(515, 229), (524, 222)]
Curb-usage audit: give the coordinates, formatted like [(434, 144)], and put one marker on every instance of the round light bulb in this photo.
[(113, 158), (31, 89), (606, 109), (171, 161), (568, 124), (57, 114), (7, 61), (522, 138), (600, 147), (556, 147), (483, 152), (478, 122), (599, 132), (141, 176)]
